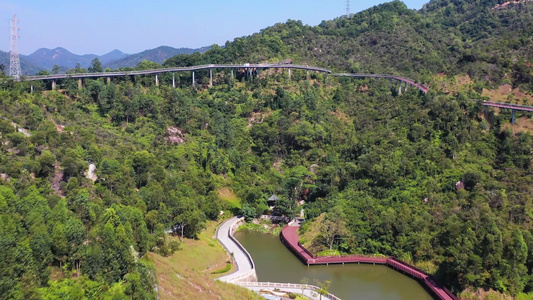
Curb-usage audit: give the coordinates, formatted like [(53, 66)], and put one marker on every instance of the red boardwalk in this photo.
[(289, 235)]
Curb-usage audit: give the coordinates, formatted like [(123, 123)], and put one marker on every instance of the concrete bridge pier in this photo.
[(31, 89), (289, 73), (405, 88), (307, 75), (53, 84), (193, 84), (512, 118), (173, 80), (156, 80), (210, 77), (108, 80), (232, 75), (400, 89), (80, 84)]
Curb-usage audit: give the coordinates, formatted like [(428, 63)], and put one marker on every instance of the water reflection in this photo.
[(275, 263)]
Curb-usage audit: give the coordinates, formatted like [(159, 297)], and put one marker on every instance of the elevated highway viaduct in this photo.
[(211, 67)]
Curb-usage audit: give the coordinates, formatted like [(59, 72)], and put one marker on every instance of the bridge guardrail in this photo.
[(289, 285), (219, 66), (174, 69), (508, 105)]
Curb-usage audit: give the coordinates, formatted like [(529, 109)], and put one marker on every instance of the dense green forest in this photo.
[(453, 37), (383, 167)]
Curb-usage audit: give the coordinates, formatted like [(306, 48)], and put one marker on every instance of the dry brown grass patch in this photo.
[(506, 93)]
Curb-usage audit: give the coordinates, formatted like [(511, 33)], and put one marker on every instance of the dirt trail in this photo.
[(56, 181)]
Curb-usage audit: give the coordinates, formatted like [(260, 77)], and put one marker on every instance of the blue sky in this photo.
[(99, 26)]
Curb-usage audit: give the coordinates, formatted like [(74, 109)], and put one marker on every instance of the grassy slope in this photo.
[(228, 196), (186, 274), (310, 233)]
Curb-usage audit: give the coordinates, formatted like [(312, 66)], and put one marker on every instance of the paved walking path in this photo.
[(243, 260)]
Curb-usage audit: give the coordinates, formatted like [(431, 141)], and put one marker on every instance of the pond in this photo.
[(275, 263)]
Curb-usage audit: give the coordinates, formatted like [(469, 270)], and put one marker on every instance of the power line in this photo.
[(14, 62), (347, 8)]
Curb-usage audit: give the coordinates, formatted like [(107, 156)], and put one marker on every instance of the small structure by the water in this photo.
[(272, 201)]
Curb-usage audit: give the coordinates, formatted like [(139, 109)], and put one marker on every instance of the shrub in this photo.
[(223, 270), (174, 246)]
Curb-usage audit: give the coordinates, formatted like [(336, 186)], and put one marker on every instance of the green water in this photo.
[(275, 263)]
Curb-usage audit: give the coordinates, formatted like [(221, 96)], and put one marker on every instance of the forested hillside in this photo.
[(491, 45), (431, 179)]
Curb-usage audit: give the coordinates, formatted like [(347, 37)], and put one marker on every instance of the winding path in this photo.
[(210, 67), (246, 276), (289, 236), (243, 260)]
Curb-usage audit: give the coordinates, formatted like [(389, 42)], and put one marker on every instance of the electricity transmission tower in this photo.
[(347, 8), (14, 62)]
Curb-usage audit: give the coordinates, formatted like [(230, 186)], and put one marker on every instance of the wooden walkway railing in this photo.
[(289, 236)]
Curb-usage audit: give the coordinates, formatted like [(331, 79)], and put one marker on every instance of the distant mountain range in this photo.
[(158, 55), (45, 59)]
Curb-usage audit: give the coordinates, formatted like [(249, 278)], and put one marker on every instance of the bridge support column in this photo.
[(405, 89), (156, 80), (173, 80), (108, 80), (53, 84), (210, 77), (307, 74), (232, 75), (31, 89), (289, 73), (193, 84), (80, 84), (512, 118), (400, 89)]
